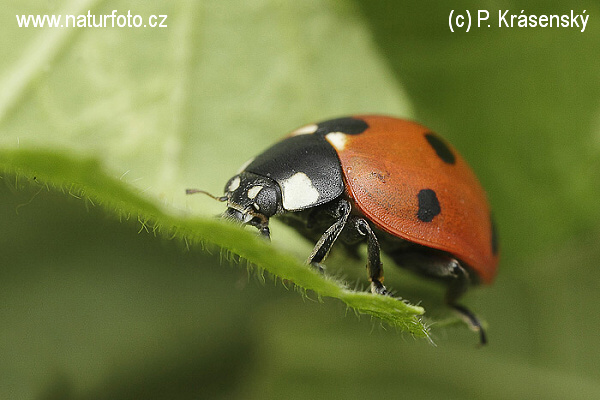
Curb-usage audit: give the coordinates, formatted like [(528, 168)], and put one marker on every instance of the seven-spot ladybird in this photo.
[(387, 181)]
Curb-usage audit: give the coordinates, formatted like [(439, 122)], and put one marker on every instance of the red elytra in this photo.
[(387, 166)]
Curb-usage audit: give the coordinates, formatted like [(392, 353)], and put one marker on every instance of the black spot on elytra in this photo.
[(441, 148), (429, 206), (347, 125), (494, 236)]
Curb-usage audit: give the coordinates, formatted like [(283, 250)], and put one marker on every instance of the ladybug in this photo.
[(389, 182)]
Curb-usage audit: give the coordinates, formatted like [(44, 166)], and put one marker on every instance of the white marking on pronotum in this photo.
[(306, 130), (253, 191), (244, 165), (298, 192), (337, 140), (234, 184)]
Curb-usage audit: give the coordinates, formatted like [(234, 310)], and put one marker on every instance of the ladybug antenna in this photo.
[(193, 191)]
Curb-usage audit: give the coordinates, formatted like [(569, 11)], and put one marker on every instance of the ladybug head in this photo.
[(251, 199)]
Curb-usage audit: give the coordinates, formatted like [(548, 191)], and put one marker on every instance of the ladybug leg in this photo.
[(457, 288), (262, 225), (324, 244), (265, 232), (451, 271), (374, 266)]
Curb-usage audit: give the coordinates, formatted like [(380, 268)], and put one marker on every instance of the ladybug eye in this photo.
[(266, 200)]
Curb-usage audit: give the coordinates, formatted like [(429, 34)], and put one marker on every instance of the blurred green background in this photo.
[(92, 307)]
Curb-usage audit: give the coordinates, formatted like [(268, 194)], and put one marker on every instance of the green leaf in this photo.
[(130, 118), (84, 178)]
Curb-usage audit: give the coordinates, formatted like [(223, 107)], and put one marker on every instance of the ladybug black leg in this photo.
[(263, 227), (457, 288), (323, 246), (265, 232), (451, 271), (374, 266)]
